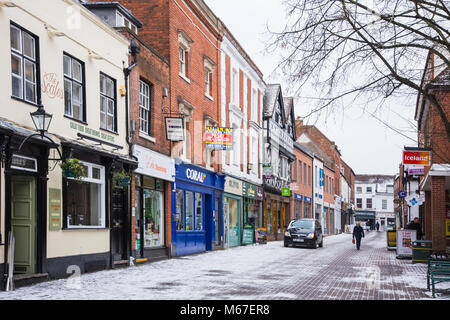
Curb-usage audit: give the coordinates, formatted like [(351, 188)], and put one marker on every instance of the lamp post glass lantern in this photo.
[(41, 119)]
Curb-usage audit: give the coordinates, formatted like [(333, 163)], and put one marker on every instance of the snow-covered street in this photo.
[(263, 272)]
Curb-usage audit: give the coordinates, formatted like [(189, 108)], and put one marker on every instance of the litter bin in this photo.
[(421, 251)]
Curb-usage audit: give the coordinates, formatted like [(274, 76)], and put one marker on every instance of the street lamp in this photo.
[(41, 119)]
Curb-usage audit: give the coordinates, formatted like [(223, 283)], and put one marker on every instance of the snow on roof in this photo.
[(270, 98)]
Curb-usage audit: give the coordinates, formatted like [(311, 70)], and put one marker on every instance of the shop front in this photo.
[(276, 206), (307, 203), (234, 219), (252, 196), (298, 204), (152, 181), (195, 194)]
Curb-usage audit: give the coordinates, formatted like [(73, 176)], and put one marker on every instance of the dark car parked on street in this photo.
[(303, 232)]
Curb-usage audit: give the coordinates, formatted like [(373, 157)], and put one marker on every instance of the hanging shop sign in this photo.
[(298, 196), (54, 209), (416, 171), (285, 192), (260, 194), (23, 163), (401, 194), (267, 169), (233, 186), (174, 128), (249, 190), (307, 199), (154, 164), (219, 138), (417, 158)]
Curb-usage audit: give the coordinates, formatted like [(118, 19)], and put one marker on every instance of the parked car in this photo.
[(304, 232)]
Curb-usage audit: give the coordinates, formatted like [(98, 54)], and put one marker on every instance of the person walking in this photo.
[(358, 233), (378, 226)]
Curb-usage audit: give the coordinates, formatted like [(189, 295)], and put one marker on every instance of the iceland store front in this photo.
[(194, 208)]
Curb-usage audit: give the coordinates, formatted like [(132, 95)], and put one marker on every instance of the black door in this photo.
[(118, 225)]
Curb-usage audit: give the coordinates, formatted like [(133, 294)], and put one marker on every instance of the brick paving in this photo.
[(259, 272)]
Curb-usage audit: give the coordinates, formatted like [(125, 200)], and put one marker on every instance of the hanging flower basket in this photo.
[(73, 168), (121, 179)]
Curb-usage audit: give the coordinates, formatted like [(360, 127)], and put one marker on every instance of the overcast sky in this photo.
[(366, 144)]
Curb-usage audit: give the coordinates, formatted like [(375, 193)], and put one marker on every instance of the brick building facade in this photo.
[(432, 134)]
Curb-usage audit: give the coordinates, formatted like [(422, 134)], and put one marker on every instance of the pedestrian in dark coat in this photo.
[(358, 233), (415, 225), (378, 226)]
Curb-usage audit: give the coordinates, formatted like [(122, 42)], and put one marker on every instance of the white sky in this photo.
[(367, 145)]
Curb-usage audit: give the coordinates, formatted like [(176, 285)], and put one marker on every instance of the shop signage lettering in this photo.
[(417, 157), (174, 129), (195, 175), (275, 182), (154, 164), (91, 132), (233, 186), (219, 138), (298, 196), (249, 190), (51, 86), (54, 209)]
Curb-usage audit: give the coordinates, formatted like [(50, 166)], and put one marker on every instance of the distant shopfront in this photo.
[(152, 194), (196, 210), (302, 206), (276, 206), (233, 205)]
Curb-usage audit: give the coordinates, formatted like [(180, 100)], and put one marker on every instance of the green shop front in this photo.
[(232, 212), (252, 196)]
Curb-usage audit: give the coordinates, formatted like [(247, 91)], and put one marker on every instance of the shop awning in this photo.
[(437, 170)]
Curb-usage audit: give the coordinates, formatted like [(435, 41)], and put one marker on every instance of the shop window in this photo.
[(108, 103), (198, 212), (154, 219), (74, 88), (85, 202), (24, 64), (189, 210), (179, 213)]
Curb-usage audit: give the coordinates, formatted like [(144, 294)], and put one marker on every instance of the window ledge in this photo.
[(182, 76), (147, 137), (209, 97)]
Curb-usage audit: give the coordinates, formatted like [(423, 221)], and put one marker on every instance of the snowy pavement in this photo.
[(258, 272)]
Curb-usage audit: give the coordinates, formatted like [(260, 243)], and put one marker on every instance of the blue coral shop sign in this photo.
[(199, 176)]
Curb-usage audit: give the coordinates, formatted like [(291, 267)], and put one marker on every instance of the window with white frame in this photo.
[(107, 103), (183, 61), (209, 66), (144, 107), (183, 52), (369, 190), (384, 204), (358, 189), (73, 88), (85, 202), (24, 64)]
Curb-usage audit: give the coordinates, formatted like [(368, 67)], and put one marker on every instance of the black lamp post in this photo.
[(41, 119)]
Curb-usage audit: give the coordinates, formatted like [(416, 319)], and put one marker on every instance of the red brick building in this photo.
[(301, 185), (148, 83), (432, 134)]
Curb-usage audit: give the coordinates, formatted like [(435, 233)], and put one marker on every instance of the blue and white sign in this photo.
[(307, 199), (401, 194), (298, 196)]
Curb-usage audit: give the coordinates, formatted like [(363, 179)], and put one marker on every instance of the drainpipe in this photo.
[(134, 51)]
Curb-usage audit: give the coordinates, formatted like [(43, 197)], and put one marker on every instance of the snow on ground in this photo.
[(263, 272)]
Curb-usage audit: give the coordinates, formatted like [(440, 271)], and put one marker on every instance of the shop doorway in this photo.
[(118, 225), (23, 223)]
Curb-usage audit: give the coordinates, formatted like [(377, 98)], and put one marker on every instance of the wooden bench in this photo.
[(438, 271)]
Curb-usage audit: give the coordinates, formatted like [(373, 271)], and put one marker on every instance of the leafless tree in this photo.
[(370, 49)]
